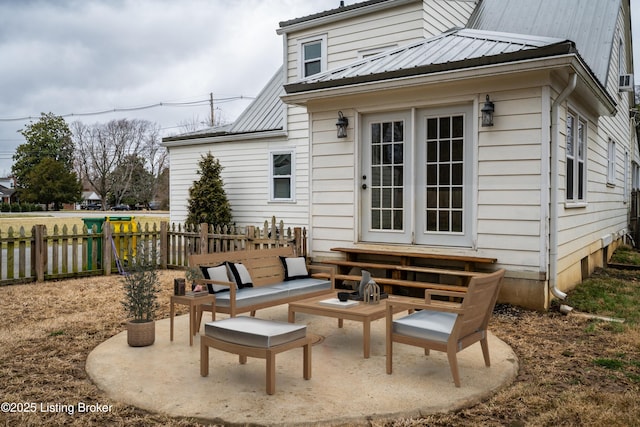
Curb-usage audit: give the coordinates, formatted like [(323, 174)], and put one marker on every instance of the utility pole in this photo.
[(211, 105)]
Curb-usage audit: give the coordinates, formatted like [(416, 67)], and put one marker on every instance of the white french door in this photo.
[(417, 190), (386, 175)]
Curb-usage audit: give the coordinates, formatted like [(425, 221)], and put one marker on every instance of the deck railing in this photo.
[(43, 254)]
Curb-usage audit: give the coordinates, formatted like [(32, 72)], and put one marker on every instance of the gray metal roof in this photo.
[(265, 113), (455, 49), (590, 24)]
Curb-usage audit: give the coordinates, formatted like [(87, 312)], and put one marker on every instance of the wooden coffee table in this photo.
[(362, 312)]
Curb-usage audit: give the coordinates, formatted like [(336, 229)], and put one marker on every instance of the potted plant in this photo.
[(141, 286), (193, 274)]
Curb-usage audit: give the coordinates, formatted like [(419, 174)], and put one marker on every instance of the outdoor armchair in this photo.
[(445, 325)]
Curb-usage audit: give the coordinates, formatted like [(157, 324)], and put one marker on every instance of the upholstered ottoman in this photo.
[(251, 337)]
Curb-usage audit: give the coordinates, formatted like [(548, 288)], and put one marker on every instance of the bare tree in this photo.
[(105, 148)]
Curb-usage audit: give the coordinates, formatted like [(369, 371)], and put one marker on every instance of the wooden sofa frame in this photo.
[(265, 268)]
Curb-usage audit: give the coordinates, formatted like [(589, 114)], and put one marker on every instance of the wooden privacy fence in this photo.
[(65, 252)]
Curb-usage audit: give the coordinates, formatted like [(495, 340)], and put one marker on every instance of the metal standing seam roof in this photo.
[(265, 113), (590, 24), (453, 49)]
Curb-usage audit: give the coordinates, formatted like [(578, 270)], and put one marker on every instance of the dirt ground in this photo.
[(47, 330)]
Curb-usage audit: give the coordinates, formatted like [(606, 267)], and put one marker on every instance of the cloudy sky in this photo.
[(85, 56)]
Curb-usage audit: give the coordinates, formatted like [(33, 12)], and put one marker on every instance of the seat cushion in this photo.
[(254, 332), (426, 324), (303, 286), (250, 296)]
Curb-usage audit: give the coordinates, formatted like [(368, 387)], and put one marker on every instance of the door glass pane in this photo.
[(444, 174), (444, 151), (398, 131), (375, 219), (456, 221), (387, 175), (445, 131), (432, 198), (444, 198), (456, 198), (458, 127), (397, 198), (398, 176), (387, 154), (386, 220), (457, 150), (375, 198), (376, 177), (397, 220), (387, 134), (432, 223), (375, 133)]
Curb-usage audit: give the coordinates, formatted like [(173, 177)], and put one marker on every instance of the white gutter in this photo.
[(553, 212)]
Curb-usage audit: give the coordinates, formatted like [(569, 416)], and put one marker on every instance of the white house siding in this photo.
[(346, 39), (510, 187), (508, 161), (245, 171), (442, 15), (585, 232)]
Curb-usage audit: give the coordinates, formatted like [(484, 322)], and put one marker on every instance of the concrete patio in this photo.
[(345, 388)]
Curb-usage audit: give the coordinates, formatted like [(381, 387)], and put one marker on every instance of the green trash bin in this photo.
[(90, 223)]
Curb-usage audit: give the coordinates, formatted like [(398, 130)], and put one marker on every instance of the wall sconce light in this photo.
[(487, 113), (342, 124)]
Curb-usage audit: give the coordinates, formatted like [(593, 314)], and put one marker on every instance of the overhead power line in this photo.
[(143, 107)]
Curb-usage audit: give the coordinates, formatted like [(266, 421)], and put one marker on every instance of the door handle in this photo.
[(364, 186)]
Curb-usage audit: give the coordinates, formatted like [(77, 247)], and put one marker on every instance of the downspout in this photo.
[(553, 211)]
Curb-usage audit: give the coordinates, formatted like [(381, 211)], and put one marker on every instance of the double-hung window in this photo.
[(576, 149), (611, 162), (282, 175), (313, 56)]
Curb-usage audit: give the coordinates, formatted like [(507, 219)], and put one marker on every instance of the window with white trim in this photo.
[(626, 176), (611, 162), (635, 176), (622, 69), (282, 175), (576, 152), (313, 56)]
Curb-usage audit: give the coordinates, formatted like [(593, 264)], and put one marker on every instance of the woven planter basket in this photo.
[(141, 334)]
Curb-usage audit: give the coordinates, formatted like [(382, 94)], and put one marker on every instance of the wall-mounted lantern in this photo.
[(342, 124), (487, 113)]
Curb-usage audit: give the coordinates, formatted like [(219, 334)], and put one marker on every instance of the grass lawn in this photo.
[(28, 221)]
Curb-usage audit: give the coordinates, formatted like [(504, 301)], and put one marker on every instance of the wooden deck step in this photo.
[(406, 268), (399, 282)]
